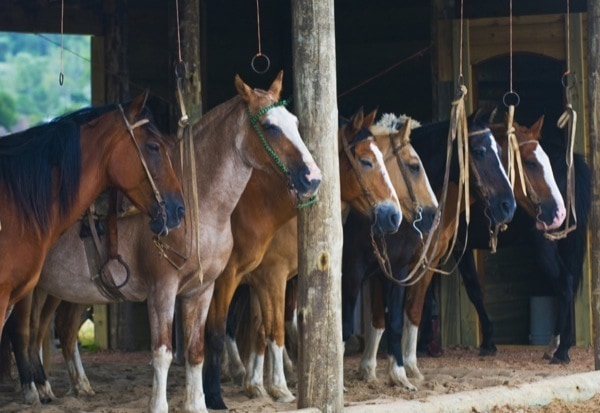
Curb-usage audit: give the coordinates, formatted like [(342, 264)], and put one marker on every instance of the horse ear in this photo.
[(370, 119), (493, 114), (357, 119), (243, 89), (536, 128), (405, 131), (136, 106), (275, 88)]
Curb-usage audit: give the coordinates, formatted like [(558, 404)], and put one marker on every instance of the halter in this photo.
[(130, 128), (254, 121)]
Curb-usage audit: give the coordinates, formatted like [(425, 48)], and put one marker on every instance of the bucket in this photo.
[(541, 319)]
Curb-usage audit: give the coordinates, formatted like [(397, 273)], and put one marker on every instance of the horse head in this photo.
[(278, 144), (487, 173), (364, 181), (417, 199), (541, 198), (140, 166)]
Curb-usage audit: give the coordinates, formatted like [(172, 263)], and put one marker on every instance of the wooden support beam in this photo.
[(593, 64), (320, 355)]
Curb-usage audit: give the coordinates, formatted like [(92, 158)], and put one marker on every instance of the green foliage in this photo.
[(8, 116), (29, 74)]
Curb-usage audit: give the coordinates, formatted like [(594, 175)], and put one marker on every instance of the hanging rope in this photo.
[(568, 120), (257, 56), (61, 76)]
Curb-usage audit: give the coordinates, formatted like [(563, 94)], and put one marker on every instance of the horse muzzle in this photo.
[(167, 215), (387, 218)]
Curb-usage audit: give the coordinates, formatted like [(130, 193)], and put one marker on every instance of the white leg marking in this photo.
[(161, 361), (552, 347), (397, 375), (368, 363), (194, 393), (236, 367), (253, 381), (277, 385), (79, 381), (409, 348)]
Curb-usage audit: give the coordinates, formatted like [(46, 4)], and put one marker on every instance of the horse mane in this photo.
[(32, 160), (390, 123)]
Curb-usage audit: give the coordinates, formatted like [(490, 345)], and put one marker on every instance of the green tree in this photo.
[(8, 115)]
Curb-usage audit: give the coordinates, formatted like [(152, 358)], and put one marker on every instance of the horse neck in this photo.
[(221, 172)]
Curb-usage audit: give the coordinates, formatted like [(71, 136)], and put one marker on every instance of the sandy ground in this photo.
[(123, 381)]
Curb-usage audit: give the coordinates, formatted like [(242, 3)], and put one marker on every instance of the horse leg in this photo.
[(413, 307), (216, 325), (368, 363), (271, 300), (18, 331), (37, 333), (67, 321), (253, 380), (161, 306), (468, 272), (291, 322), (394, 321), (194, 312), (235, 365)]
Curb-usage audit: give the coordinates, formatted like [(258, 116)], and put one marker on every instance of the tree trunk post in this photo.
[(593, 46), (320, 355)]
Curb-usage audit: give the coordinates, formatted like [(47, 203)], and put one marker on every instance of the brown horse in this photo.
[(51, 173), (543, 198), (254, 225), (229, 143), (268, 281)]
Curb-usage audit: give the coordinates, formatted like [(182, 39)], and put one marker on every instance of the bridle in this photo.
[(255, 122)]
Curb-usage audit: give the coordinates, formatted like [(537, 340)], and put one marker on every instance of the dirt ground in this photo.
[(123, 381)]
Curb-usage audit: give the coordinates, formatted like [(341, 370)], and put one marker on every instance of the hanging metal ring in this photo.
[(511, 94), (255, 60)]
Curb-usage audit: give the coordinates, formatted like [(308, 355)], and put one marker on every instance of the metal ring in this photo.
[(61, 78), (516, 97), (565, 79), (267, 62), (180, 69)]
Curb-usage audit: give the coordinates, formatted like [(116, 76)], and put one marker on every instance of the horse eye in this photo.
[(366, 163), (153, 147), (414, 168), (530, 164), (479, 151)]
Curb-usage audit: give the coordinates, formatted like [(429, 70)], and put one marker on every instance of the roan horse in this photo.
[(491, 187), (255, 223), (561, 261), (268, 281), (51, 173), (229, 142)]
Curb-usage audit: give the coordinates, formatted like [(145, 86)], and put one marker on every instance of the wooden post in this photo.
[(320, 354), (593, 45), (189, 33)]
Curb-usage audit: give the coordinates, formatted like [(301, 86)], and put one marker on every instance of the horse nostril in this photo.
[(180, 212), (395, 219)]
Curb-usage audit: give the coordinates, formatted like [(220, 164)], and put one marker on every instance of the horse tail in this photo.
[(574, 245), (6, 359)]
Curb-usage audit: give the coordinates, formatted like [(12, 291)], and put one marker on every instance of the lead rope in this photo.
[(569, 120)]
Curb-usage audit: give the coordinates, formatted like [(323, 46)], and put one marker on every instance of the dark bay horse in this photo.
[(51, 173), (255, 222), (561, 262), (490, 185), (229, 142)]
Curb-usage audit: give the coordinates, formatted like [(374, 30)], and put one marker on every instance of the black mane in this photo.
[(31, 161)]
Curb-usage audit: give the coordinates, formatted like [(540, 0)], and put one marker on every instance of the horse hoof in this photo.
[(547, 356), (556, 360), (488, 352), (215, 402)]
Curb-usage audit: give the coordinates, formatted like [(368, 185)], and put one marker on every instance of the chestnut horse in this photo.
[(491, 187), (268, 281), (51, 173), (562, 260), (254, 225), (543, 197), (251, 131)]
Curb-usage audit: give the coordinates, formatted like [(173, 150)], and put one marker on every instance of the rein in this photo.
[(254, 121)]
